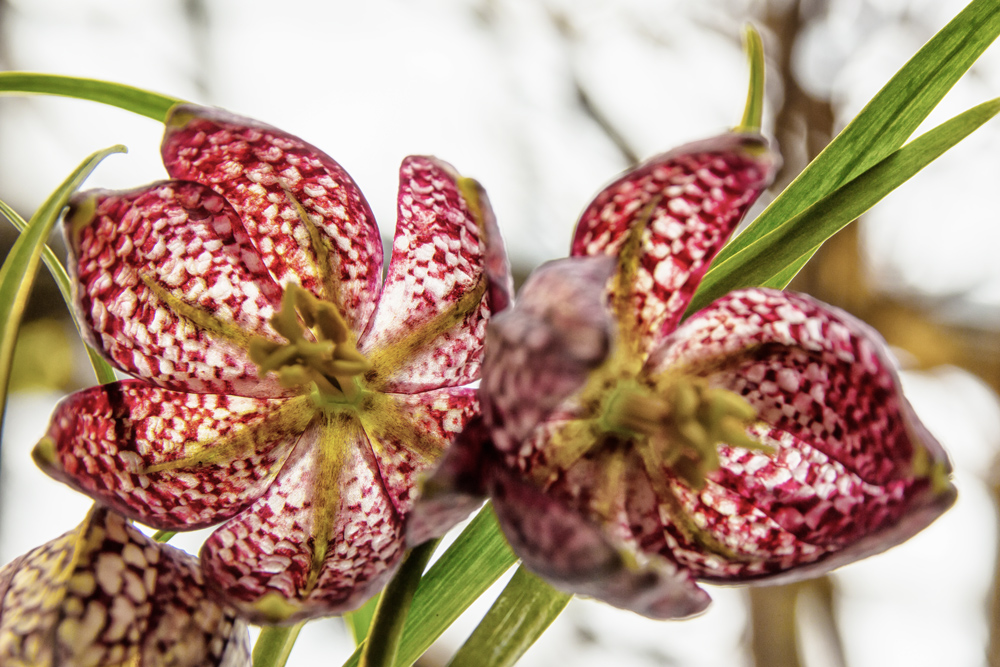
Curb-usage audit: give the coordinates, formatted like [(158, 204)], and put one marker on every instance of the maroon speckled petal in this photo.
[(428, 328), (410, 434), (697, 193), (266, 552), (102, 439), (337, 255), (569, 551), (541, 351), (133, 252), (455, 488), (104, 594), (852, 460)]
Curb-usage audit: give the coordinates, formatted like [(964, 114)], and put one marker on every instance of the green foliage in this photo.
[(21, 266), (143, 102), (102, 369), (466, 569), (524, 610), (879, 130)]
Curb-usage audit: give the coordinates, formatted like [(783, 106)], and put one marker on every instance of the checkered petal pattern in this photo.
[(109, 442), (422, 335), (829, 402), (304, 213), (583, 407), (104, 594), (179, 281), (135, 255), (688, 202)]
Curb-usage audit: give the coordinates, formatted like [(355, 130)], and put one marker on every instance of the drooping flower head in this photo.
[(105, 595), (764, 439), (281, 387)]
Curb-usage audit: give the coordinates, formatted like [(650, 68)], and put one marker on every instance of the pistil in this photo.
[(325, 358)]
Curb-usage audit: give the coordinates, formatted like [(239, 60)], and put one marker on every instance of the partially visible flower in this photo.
[(764, 439), (283, 389), (105, 595)]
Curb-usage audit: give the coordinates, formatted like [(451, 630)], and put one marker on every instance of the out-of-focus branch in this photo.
[(195, 13), (590, 107), (602, 121), (993, 646)]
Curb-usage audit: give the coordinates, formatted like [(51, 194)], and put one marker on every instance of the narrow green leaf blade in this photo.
[(775, 258), (470, 565), (524, 610), (102, 369), (20, 267), (143, 102), (360, 620), (881, 127)]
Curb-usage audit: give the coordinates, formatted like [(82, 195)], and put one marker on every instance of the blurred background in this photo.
[(544, 101)]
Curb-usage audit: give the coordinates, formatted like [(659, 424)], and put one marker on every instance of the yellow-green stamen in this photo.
[(683, 420), (327, 359)]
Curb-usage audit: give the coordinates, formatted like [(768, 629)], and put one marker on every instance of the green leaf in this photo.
[(382, 644), (754, 109), (360, 620), (143, 102), (524, 610), (881, 128), (20, 267), (775, 258), (102, 369), (471, 564)]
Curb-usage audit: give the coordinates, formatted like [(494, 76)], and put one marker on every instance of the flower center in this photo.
[(681, 423), (320, 352)]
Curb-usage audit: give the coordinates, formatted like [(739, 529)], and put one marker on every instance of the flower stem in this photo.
[(754, 109), (275, 645), (390, 615)]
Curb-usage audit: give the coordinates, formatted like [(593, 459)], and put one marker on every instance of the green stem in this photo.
[(360, 620), (754, 109), (164, 535), (379, 649), (274, 645)]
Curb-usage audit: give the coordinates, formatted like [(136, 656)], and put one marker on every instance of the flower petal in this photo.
[(454, 489), (684, 204), (304, 213), (105, 594), (170, 287), (573, 554), (428, 328), (854, 471), (409, 433), (264, 561), (542, 351), (210, 455)]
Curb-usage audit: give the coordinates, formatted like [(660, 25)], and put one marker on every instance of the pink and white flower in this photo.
[(281, 388), (629, 455)]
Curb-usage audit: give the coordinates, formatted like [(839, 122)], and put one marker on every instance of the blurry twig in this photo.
[(587, 104), (602, 121)]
